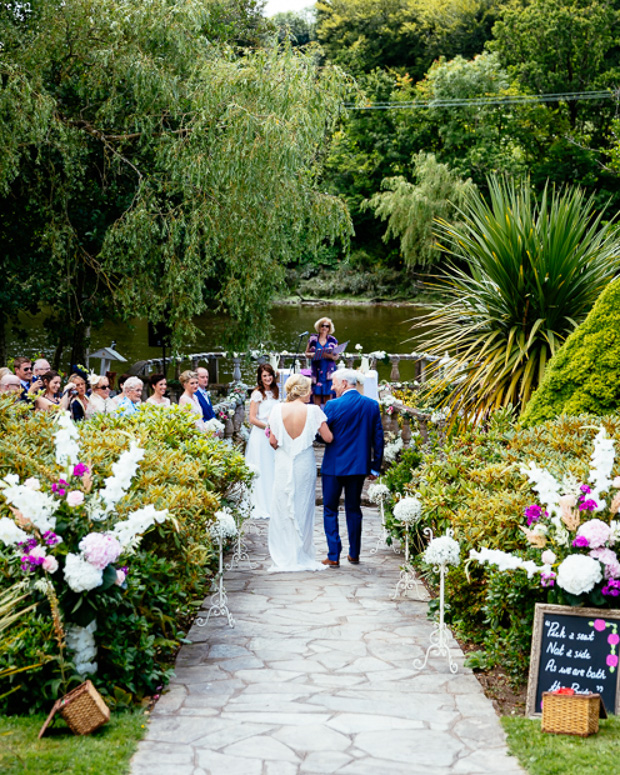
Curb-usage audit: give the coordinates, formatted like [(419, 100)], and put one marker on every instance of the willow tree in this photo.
[(163, 169)]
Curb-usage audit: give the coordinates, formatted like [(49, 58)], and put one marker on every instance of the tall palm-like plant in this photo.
[(527, 273)]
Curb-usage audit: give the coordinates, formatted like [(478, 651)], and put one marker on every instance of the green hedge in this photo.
[(584, 375), (139, 628)]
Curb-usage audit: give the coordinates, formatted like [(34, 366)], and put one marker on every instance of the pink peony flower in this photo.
[(33, 483), (50, 564), (609, 559), (596, 532), (75, 498), (100, 549), (120, 578), (548, 557), (37, 551)]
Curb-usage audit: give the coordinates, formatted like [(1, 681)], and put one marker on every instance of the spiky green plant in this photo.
[(11, 610), (522, 276)]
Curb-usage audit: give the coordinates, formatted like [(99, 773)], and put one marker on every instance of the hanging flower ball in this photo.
[(378, 493), (224, 526), (408, 510), (443, 550)]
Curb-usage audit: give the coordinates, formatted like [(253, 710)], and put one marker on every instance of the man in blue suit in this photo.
[(202, 394), (355, 453)]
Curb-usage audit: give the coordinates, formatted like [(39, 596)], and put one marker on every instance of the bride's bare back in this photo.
[(294, 417)]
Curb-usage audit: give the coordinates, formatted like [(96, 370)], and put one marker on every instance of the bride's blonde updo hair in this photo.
[(297, 386)]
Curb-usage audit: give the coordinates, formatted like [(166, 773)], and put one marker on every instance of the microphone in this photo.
[(305, 333)]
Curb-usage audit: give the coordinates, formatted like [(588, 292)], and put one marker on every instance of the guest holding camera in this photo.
[(79, 403)]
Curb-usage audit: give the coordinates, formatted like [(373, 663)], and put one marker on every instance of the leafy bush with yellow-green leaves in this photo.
[(476, 487), (141, 627), (584, 374)]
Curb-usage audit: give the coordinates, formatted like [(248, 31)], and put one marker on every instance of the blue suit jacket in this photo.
[(205, 405), (357, 447)]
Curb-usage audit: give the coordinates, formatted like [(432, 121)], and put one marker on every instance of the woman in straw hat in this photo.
[(320, 348)]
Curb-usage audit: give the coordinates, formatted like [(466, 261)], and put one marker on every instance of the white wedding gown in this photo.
[(260, 453), (291, 543)]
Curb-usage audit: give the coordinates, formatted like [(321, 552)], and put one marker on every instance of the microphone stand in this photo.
[(296, 347)]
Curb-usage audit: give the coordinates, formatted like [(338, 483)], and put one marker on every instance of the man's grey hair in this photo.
[(132, 382), (347, 375)]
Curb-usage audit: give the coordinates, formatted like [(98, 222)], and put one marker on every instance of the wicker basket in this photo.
[(83, 709), (565, 714)]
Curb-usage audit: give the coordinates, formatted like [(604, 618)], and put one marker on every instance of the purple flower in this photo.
[(80, 469), (533, 513), (27, 545), (581, 542), (60, 487), (611, 589), (588, 505), (585, 489), (125, 569), (547, 579), (50, 538)]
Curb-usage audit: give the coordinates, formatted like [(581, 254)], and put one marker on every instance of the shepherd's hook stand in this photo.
[(219, 605), (382, 540), (408, 580), (240, 552), (439, 635)]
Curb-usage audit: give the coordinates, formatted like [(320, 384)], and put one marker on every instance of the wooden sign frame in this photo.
[(537, 636)]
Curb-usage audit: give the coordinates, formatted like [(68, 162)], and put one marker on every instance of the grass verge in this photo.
[(544, 754), (106, 752)]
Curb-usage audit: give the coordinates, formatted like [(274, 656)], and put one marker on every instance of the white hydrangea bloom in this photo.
[(408, 510), (10, 534), (392, 450), (224, 525), (81, 641), (579, 573), (503, 560), (214, 425), (66, 440), (80, 575), (443, 550)]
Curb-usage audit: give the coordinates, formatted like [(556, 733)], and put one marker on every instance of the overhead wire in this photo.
[(515, 99)]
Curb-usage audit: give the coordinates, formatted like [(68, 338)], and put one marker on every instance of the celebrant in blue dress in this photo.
[(323, 342)]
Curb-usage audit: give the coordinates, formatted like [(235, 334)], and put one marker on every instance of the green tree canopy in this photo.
[(151, 157)]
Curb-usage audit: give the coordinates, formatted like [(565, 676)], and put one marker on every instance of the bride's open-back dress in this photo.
[(291, 542)]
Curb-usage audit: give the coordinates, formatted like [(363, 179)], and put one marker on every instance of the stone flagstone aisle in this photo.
[(317, 677)]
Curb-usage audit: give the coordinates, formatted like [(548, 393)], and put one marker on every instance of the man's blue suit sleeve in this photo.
[(377, 441)]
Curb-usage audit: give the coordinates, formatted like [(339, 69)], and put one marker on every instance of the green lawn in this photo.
[(106, 752), (544, 754)]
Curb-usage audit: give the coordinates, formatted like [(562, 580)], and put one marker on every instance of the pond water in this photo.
[(375, 327)]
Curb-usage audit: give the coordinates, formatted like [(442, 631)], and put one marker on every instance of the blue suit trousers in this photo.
[(332, 489)]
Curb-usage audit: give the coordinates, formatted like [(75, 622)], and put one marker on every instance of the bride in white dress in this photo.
[(293, 426), (258, 451)]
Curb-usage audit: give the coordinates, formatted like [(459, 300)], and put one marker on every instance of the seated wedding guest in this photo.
[(50, 398), (79, 403), (100, 393), (22, 367), (258, 451), (202, 394), (10, 383), (40, 367), (322, 342), (132, 395), (158, 386), (189, 380), (119, 394)]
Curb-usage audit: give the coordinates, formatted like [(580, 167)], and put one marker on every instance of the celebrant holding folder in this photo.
[(321, 348)]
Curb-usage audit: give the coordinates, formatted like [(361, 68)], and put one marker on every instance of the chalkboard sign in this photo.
[(578, 648)]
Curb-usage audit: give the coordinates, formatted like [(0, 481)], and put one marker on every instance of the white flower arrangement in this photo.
[(378, 354), (224, 527), (129, 532), (35, 506), (214, 426), (66, 440), (392, 450), (378, 493), (577, 548), (80, 575), (443, 550), (408, 510), (10, 534)]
